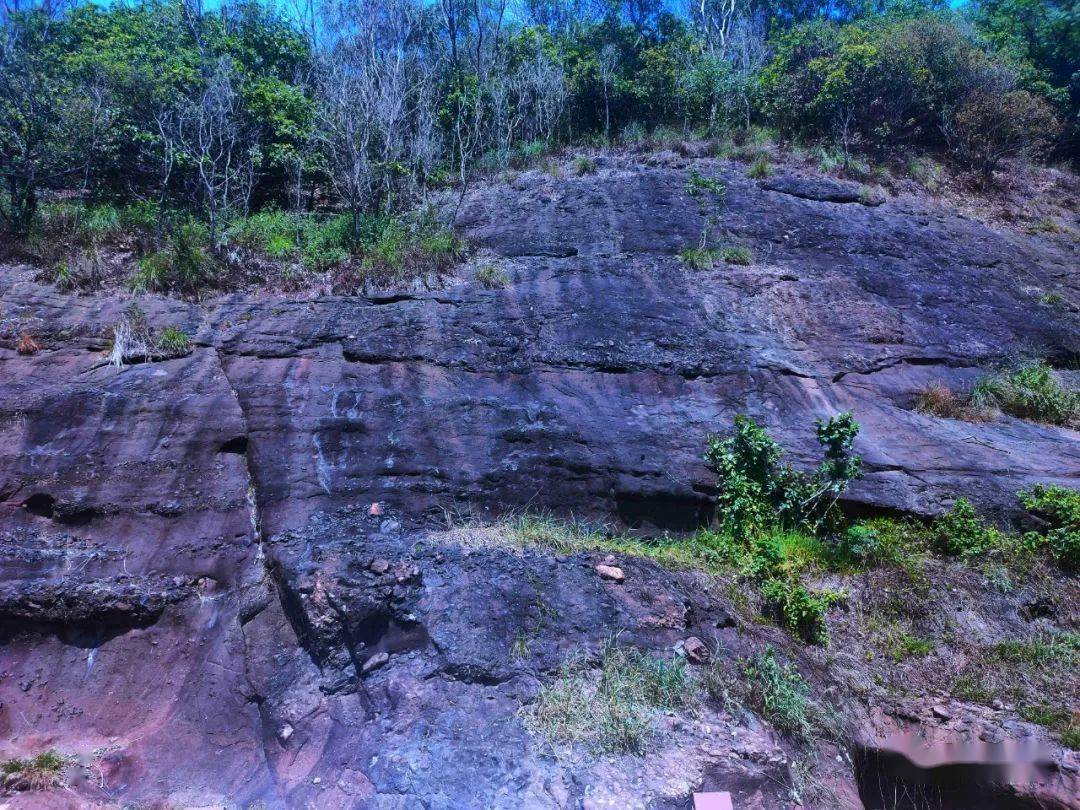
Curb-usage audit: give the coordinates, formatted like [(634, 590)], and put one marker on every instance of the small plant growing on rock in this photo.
[(1059, 508), (735, 255), (27, 344), (37, 773), (1030, 391), (760, 169), (131, 338), (802, 612), (1053, 300), (698, 185), (610, 710), (584, 165), (937, 399), (780, 694), (491, 276), (173, 341), (700, 258)]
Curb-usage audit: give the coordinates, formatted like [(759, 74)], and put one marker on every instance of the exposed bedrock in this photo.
[(182, 595)]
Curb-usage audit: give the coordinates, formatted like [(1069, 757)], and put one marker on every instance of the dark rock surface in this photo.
[(176, 577)]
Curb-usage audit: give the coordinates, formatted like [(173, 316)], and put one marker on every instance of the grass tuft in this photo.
[(1032, 391), (610, 708)]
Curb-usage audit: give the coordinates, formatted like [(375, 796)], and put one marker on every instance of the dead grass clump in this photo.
[(940, 400), (27, 344)]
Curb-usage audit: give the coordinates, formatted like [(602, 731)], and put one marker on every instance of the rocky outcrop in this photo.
[(179, 574)]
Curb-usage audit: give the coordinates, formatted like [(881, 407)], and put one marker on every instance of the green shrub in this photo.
[(584, 165), (860, 543), (908, 646), (528, 152), (780, 694), (394, 247), (961, 532), (633, 134), (272, 232), (757, 493), (735, 255), (140, 216), (183, 266), (1059, 507), (901, 80), (41, 772), (802, 612), (1030, 391), (698, 185), (325, 243)]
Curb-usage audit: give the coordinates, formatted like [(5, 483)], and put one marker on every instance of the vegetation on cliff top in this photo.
[(192, 132)]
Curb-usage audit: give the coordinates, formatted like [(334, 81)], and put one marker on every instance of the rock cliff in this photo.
[(194, 596)]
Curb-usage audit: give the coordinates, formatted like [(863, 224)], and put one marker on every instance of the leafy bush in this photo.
[(992, 125), (906, 80), (802, 612), (961, 532), (326, 242), (860, 542), (698, 185), (272, 232), (183, 266), (1059, 507), (393, 247), (757, 493), (1030, 391)]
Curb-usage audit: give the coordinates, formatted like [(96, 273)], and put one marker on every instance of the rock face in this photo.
[(192, 563)]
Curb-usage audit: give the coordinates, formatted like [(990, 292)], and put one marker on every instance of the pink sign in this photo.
[(713, 801)]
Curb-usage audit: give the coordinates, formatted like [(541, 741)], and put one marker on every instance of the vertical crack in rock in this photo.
[(252, 581)]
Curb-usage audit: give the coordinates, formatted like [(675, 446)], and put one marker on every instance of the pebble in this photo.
[(612, 572)]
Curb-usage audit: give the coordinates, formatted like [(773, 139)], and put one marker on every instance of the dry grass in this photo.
[(937, 399), (27, 344)]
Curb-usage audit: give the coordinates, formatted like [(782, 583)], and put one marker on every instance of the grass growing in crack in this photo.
[(610, 708), (173, 341), (760, 168), (699, 258)]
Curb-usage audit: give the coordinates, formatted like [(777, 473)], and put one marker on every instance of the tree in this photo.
[(42, 116), (992, 125)]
